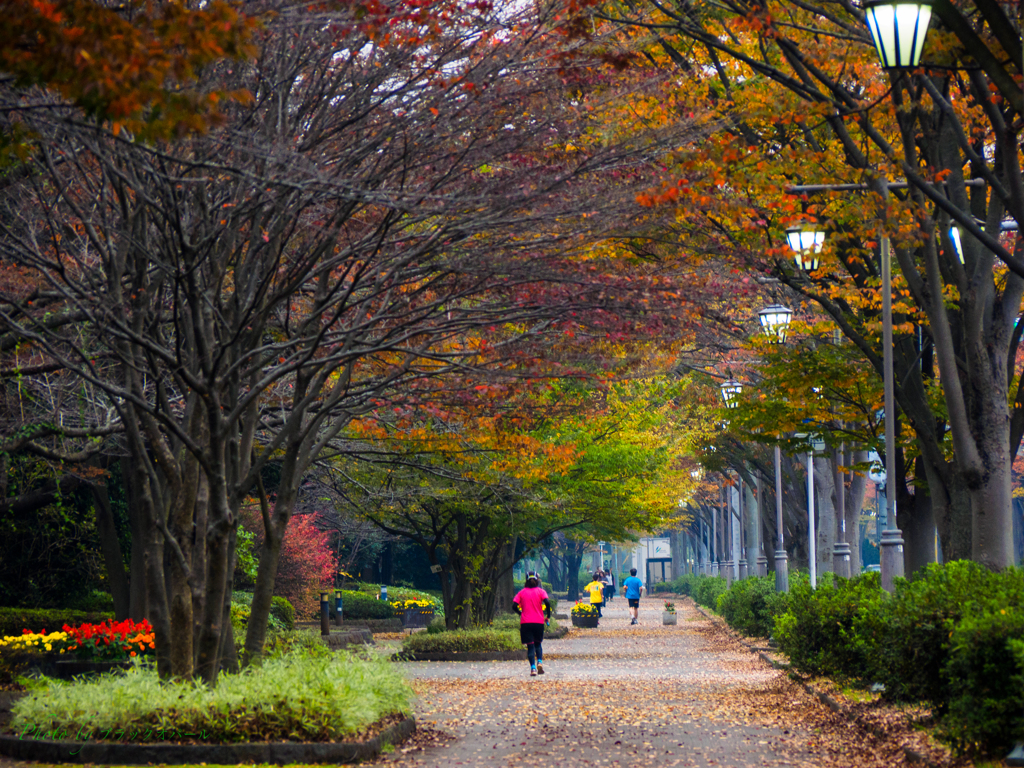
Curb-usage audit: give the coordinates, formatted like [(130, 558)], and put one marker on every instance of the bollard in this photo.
[(337, 604), (325, 613)]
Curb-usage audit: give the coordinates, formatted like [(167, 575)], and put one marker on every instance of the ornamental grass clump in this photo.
[(294, 698)]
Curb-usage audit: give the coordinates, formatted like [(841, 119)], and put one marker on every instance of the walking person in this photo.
[(596, 590), (633, 588), (534, 609), (609, 586)]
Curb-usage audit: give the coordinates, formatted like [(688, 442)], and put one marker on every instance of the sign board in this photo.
[(657, 548), (435, 569)]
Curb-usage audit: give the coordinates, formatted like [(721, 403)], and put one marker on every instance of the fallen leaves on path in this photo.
[(685, 695)]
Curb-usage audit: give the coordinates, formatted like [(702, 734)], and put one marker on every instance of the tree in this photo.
[(307, 563), (784, 97), (237, 298)]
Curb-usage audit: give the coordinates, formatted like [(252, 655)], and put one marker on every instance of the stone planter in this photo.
[(417, 617), (668, 617), (585, 622)]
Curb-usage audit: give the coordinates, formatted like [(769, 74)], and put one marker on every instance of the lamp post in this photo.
[(731, 390), (841, 549), (762, 558), (806, 244), (774, 320), (814, 444), (891, 30)]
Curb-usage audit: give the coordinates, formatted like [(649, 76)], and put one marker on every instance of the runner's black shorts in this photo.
[(634, 602), (531, 633)]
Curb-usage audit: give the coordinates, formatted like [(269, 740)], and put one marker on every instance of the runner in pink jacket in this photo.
[(534, 609)]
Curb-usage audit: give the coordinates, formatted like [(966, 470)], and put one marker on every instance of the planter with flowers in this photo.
[(414, 613), (668, 616), (105, 646), (584, 615), (79, 650)]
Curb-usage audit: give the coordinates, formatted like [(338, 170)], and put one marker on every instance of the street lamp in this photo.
[(806, 244), (958, 246), (775, 322), (891, 543), (898, 30), (731, 389)]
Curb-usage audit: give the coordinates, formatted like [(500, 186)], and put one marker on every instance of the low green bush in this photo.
[(282, 610), (685, 584), (396, 594), (14, 620), (95, 601), (437, 624), (912, 633), (505, 621), (985, 681), (820, 629), (359, 605), (706, 590), (281, 618), (293, 697), (463, 641), (751, 605), (952, 637)]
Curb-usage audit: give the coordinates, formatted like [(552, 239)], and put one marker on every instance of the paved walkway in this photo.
[(618, 695)]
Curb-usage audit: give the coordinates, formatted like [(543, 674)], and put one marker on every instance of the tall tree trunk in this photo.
[(752, 524), (113, 559), (825, 508), (504, 589), (138, 604), (854, 505), (199, 560), (573, 561)]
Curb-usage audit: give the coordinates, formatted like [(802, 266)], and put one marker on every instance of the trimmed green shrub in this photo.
[(706, 590), (912, 634), (463, 641), (396, 594), (437, 624), (95, 601), (13, 620), (283, 611), (819, 631), (751, 605), (685, 584), (288, 698), (359, 605), (985, 683)]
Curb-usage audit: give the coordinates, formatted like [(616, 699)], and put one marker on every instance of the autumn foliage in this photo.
[(307, 565)]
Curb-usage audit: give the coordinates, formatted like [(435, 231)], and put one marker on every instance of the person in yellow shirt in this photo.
[(596, 590)]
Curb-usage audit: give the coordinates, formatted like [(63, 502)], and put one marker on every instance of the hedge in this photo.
[(359, 605), (951, 637), (14, 620), (462, 641)]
